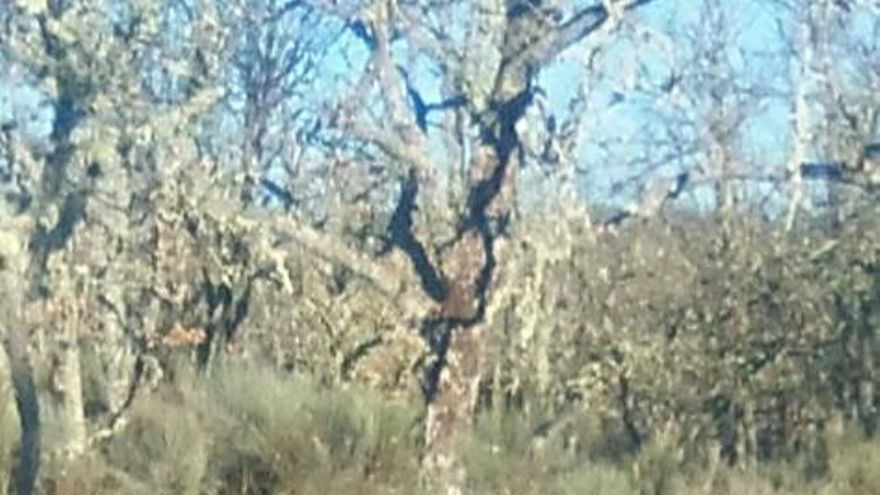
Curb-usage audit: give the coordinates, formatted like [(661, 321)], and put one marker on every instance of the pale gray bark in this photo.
[(65, 315), (802, 74), (14, 331), (67, 386)]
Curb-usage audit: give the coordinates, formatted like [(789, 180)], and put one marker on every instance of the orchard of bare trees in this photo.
[(447, 246)]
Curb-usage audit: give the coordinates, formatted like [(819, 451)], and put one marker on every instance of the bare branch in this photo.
[(384, 277), (392, 145), (572, 31), (392, 93), (429, 41)]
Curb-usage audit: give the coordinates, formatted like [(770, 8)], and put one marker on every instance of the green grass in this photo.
[(247, 430)]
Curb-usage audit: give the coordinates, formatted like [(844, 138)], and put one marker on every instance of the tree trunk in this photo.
[(28, 408), (16, 346), (453, 408), (67, 317), (119, 362), (469, 269), (803, 73), (867, 387), (67, 388)]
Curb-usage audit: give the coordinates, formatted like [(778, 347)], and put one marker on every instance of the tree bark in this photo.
[(67, 386), (454, 407), (16, 347), (802, 118), (27, 405)]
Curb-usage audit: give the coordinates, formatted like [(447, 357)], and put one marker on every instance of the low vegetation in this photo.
[(693, 367), (260, 432)]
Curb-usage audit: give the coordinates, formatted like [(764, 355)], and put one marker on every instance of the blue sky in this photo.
[(638, 120), (621, 138)]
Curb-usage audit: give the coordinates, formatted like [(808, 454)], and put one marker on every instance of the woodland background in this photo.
[(410, 246)]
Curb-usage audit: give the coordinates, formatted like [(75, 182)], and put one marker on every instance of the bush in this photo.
[(165, 447), (504, 456), (278, 433)]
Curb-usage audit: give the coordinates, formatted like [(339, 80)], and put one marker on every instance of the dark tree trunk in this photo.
[(24, 388)]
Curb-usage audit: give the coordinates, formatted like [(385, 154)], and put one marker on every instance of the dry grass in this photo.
[(249, 430)]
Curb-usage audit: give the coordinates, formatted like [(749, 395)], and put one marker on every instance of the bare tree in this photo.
[(486, 85), (78, 194)]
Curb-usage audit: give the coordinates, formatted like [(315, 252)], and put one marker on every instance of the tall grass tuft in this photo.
[(280, 434)]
